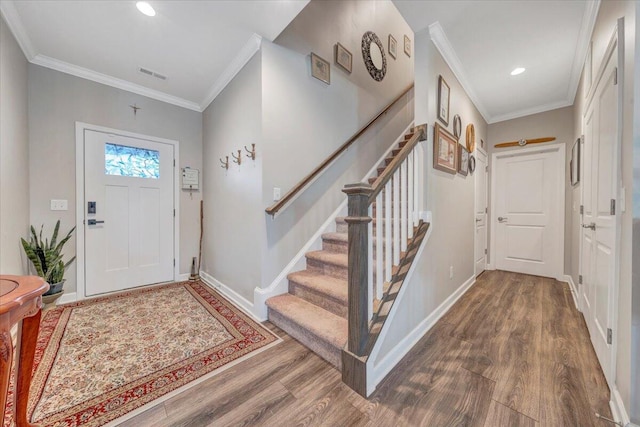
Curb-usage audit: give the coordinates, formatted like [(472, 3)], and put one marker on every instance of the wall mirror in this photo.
[(374, 56)]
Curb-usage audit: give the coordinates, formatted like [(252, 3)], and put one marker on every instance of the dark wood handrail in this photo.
[(273, 209)]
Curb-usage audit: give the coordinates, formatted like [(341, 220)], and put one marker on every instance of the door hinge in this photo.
[(615, 76), (581, 209), (174, 213), (486, 168), (174, 163), (486, 210), (613, 206), (580, 279), (485, 251), (609, 336), (174, 262)]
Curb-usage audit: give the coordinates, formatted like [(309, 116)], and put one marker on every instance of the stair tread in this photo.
[(335, 236), (320, 322), (334, 258), (328, 285)]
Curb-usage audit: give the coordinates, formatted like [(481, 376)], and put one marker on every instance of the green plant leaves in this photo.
[(46, 256)]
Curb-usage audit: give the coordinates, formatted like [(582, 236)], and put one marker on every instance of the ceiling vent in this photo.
[(152, 73)]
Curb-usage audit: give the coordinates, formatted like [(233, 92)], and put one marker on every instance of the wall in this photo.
[(449, 197), (14, 154), (234, 226), (558, 123), (635, 280), (56, 102)]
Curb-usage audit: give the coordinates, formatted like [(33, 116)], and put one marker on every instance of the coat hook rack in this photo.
[(252, 152), (225, 164), (237, 159)]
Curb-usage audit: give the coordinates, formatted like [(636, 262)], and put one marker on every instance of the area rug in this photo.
[(101, 359)]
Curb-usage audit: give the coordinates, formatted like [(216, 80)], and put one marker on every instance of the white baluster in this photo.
[(396, 217), (379, 247), (410, 184), (403, 206), (419, 183), (387, 232)]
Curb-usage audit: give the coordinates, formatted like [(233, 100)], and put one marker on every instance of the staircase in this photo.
[(314, 311)]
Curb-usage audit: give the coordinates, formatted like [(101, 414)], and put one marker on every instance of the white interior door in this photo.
[(481, 182), (528, 213), (129, 231), (599, 222)]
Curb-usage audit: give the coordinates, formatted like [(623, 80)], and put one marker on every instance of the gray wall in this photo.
[(449, 197), (14, 154), (56, 102), (234, 226), (558, 123)]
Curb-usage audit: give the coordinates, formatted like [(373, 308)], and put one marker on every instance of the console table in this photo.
[(20, 299)]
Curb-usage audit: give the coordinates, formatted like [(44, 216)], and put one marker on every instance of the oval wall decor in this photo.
[(373, 55)]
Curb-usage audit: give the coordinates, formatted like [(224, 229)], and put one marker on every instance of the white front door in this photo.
[(599, 221), (480, 179), (528, 215), (129, 212)]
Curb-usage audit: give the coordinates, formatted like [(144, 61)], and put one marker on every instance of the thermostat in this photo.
[(190, 179)]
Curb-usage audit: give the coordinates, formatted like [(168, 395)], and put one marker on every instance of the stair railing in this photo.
[(381, 220)]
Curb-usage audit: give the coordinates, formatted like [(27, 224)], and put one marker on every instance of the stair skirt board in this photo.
[(238, 300), (280, 285)]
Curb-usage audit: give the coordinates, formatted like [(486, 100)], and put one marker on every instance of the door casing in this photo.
[(81, 203)]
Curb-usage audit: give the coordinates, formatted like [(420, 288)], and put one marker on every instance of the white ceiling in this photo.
[(483, 41), (201, 45), (198, 45)]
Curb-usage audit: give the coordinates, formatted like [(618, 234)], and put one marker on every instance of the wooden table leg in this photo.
[(6, 356), (28, 339)]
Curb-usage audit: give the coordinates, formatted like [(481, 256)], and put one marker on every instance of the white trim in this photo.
[(182, 276), (529, 111), (66, 298), (244, 55), (582, 47), (280, 284), (105, 79), (574, 290), (450, 56), (12, 18), (80, 202), (238, 300), (618, 410), (560, 149)]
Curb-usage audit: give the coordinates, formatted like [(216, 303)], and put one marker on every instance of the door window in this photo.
[(131, 161)]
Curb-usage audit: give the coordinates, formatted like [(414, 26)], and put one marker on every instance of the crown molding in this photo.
[(11, 17), (244, 55), (584, 39), (105, 79), (443, 45), (529, 111)]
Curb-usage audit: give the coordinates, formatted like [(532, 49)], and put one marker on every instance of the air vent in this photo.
[(152, 73)]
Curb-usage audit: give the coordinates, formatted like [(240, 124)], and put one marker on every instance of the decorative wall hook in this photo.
[(238, 159), (225, 164), (252, 152)]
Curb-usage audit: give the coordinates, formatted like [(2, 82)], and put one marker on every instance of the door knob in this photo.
[(94, 222), (591, 226), (502, 219)]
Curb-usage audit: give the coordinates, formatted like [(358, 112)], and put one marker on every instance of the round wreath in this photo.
[(375, 72)]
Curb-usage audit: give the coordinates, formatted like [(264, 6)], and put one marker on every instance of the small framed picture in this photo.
[(443, 101), (320, 69), (463, 163), (445, 150), (393, 46), (574, 164), (407, 46), (343, 58)]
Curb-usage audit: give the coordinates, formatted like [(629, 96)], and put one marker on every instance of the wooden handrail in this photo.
[(290, 195)]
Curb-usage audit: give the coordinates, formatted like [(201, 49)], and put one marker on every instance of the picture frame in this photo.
[(407, 46), (320, 69), (443, 100), (344, 58), (463, 162), (393, 47), (574, 163), (445, 150)]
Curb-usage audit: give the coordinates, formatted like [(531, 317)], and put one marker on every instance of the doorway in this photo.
[(126, 202), (481, 181)]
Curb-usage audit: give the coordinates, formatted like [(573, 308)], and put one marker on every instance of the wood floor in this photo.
[(513, 351)]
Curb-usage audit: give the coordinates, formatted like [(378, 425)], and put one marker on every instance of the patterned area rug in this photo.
[(101, 359)]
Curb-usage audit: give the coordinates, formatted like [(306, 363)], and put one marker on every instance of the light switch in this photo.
[(59, 205)]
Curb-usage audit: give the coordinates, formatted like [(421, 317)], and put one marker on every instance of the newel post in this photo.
[(358, 220)]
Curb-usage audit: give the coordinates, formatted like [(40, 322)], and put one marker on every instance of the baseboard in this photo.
[(617, 408), (183, 276), (574, 291), (238, 300), (380, 371), (67, 298)]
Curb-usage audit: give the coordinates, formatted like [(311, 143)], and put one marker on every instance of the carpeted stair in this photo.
[(314, 311)]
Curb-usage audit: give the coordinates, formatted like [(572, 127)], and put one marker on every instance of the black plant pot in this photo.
[(55, 288)]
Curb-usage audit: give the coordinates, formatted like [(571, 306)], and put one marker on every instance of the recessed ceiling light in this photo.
[(145, 8), (517, 71)]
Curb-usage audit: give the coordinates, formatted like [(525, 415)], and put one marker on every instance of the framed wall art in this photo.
[(393, 46), (445, 150), (463, 160), (457, 126), (574, 164), (443, 101), (344, 58), (320, 69), (407, 46)]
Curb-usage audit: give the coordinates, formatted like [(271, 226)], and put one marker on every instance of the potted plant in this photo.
[(46, 257)]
